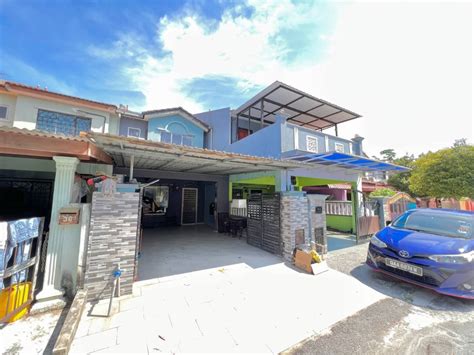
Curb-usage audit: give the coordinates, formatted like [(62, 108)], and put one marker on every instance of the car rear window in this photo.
[(447, 224)]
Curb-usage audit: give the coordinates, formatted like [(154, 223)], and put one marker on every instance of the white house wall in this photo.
[(23, 112)]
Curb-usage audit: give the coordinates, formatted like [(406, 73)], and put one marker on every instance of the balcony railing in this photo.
[(339, 208)]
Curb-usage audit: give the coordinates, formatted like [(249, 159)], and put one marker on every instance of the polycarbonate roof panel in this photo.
[(345, 161)]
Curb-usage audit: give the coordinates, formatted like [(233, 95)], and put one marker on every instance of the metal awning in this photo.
[(345, 161), (303, 109), (129, 152)]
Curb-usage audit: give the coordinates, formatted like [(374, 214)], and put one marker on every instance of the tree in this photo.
[(400, 181), (388, 155), (459, 142), (446, 173), (382, 192)]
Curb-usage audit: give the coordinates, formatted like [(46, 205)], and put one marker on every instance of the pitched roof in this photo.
[(180, 111), (28, 90)]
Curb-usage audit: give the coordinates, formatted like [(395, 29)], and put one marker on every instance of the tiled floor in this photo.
[(206, 292)]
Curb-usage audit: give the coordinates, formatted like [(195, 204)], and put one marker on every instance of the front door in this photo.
[(189, 206)]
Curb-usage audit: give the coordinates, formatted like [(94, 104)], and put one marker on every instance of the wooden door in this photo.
[(189, 206)]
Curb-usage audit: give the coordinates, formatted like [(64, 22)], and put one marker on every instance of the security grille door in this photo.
[(189, 206)]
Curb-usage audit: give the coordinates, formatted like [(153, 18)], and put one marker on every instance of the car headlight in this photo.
[(454, 259), (377, 242)]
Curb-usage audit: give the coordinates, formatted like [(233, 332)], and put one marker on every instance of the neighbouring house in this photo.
[(175, 168)]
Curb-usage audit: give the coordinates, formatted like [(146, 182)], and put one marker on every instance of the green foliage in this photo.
[(388, 155), (382, 192), (400, 181), (445, 173)]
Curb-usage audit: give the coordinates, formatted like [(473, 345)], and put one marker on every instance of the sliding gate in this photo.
[(263, 222)]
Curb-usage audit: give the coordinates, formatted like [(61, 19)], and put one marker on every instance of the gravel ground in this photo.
[(34, 334), (411, 320)]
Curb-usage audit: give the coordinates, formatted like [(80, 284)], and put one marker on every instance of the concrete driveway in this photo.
[(410, 320), (206, 292)]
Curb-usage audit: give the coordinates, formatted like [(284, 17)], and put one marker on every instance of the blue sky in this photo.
[(405, 66), (123, 51)]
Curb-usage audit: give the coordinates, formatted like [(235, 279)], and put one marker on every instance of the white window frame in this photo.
[(191, 136), (7, 113), (308, 138), (139, 132), (339, 147)]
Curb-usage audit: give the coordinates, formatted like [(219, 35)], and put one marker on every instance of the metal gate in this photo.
[(189, 206), (368, 223), (263, 222)]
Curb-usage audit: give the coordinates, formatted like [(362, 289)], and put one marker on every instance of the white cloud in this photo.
[(405, 67), (246, 49)]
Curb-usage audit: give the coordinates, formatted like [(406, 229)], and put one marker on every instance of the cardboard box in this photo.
[(303, 261)]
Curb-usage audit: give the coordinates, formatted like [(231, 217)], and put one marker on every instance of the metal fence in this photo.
[(19, 261)]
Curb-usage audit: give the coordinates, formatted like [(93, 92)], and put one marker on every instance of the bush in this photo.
[(383, 192)]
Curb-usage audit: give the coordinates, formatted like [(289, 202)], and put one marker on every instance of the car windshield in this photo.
[(446, 224)]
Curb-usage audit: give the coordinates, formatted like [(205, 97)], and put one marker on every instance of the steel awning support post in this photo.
[(132, 162)]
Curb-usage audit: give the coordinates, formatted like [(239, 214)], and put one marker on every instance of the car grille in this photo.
[(430, 277)]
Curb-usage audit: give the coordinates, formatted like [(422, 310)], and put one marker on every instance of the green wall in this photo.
[(340, 223)]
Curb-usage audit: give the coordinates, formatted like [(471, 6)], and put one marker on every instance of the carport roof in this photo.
[(345, 161), (144, 154)]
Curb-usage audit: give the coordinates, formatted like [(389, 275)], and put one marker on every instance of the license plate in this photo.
[(412, 269)]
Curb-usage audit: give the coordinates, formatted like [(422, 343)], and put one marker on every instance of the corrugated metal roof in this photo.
[(163, 156)]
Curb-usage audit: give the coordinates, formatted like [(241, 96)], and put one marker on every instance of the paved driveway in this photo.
[(220, 295), (411, 320)]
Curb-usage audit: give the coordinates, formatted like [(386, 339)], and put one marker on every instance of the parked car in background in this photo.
[(433, 248)]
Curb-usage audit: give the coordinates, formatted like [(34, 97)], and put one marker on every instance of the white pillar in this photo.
[(63, 183)]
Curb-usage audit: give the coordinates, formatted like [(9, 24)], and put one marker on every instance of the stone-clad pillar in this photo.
[(63, 183), (294, 221)]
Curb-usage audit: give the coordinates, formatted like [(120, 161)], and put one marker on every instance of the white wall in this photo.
[(10, 102), (24, 111)]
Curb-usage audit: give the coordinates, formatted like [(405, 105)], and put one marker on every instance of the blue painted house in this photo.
[(280, 122)]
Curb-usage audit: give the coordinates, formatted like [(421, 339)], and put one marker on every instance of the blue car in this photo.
[(433, 248)]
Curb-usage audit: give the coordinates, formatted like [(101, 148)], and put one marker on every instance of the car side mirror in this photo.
[(387, 223)]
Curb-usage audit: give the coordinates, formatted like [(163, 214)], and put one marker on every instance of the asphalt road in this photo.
[(411, 320)]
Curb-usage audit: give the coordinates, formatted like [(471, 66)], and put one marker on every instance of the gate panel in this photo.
[(254, 220), (263, 222)]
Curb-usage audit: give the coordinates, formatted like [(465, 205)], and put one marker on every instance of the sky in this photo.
[(406, 67)]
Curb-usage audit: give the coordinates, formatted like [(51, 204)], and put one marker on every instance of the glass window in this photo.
[(446, 224), (3, 113), (176, 139), (165, 137), (188, 140), (61, 123), (134, 132)]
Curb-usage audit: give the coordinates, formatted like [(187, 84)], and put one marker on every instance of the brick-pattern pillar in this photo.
[(112, 240), (317, 206), (294, 218)]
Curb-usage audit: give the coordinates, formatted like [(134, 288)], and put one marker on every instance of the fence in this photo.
[(20, 245)]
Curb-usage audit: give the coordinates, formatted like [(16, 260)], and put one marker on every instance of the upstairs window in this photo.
[(61, 123), (175, 138), (134, 132), (3, 113)]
